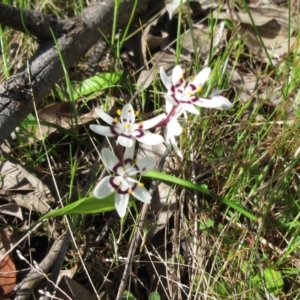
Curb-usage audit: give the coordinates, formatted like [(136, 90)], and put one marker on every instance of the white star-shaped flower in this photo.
[(125, 128), (180, 93), (122, 182)]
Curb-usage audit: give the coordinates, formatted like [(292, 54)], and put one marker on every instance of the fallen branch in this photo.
[(34, 81)]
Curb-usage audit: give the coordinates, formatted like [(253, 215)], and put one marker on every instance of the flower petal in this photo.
[(201, 77), (102, 130), (177, 76), (109, 159), (128, 113), (171, 142), (144, 165), (149, 138), (171, 99), (175, 128), (142, 194), (217, 102), (190, 108), (178, 112), (125, 141), (104, 116), (129, 151), (164, 78), (153, 121), (121, 202), (103, 188)]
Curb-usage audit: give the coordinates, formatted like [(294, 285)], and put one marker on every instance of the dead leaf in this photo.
[(271, 25), (61, 115), (8, 274), (73, 289), (24, 187), (11, 209), (245, 84)]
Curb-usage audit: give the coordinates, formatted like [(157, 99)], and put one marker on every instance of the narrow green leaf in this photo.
[(89, 205), (199, 188)]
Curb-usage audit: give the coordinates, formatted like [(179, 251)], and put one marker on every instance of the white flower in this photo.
[(172, 129), (122, 183), (180, 93), (126, 129)]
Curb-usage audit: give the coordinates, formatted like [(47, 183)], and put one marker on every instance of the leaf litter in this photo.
[(25, 190)]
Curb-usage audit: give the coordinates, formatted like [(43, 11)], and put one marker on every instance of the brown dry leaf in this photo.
[(24, 187), (272, 25), (245, 84), (73, 289), (153, 37), (11, 209), (200, 37), (163, 59), (60, 114), (8, 274)]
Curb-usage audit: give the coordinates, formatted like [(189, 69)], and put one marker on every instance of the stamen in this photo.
[(127, 125), (130, 191), (119, 112), (199, 89), (116, 120), (137, 112), (140, 184)]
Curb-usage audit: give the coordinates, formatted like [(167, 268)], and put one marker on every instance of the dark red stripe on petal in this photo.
[(139, 133), (192, 86), (127, 191), (112, 183), (113, 131), (116, 167), (128, 161)]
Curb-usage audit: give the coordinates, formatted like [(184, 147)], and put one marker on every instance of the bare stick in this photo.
[(25, 288)]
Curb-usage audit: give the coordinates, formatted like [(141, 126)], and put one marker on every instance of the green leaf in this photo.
[(200, 188), (205, 224), (154, 296), (128, 296), (96, 84), (89, 205), (273, 281)]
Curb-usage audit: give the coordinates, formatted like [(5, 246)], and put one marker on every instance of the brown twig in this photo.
[(25, 288)]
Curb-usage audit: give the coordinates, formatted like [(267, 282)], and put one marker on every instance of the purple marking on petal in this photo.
[(116, 167), (128, 136), (186, 101), (113, 131), (128, 161), (192, 86), (112, 183), (126, 191), (139, 134), (175, 99), (180, 82)]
